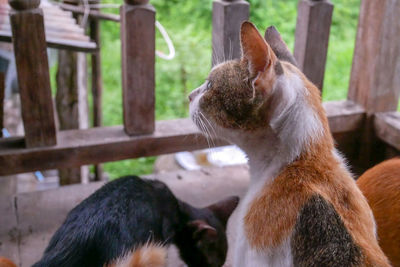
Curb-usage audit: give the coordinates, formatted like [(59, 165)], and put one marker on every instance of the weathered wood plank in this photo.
[(387, 128), (71, 103), (2, 93), (97, 86), (33, 77), (102, 144), (9, 234), (52, 26), (93, 14), (346, 121), (59, 34), (50, 11), (312, 36), (97, 80), (375, 75), (58, 25), (227, 18), (73, 45), (138, 63), (344, 116), (74, 2)]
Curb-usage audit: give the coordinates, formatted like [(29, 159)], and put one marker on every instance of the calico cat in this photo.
[(381, 186), (302, 207), (129, 221)]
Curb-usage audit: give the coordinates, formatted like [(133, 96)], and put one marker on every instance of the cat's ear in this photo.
[(201, 229), (255, 50), (224, 208), (281, 50)]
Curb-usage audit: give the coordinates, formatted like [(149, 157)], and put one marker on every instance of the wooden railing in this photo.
[(354, 122)]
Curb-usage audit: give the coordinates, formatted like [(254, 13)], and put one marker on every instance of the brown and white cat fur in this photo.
[(151, 255), (381, 186), (302, 207)]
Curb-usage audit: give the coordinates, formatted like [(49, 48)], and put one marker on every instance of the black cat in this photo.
[(128, 213)]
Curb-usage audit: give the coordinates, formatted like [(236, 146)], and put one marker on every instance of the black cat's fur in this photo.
[(130, 212)]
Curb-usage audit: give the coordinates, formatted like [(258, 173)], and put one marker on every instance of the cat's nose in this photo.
[(192, 95)]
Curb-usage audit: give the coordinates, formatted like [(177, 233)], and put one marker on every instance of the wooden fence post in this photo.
[(312, 36), (2, 93), (97, 85), (33, 73), (71, 107), (138, 63), (227, 18), (375, 74), (72, 104)]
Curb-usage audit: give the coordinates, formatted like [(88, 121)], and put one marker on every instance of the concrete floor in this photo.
[(29, 219)]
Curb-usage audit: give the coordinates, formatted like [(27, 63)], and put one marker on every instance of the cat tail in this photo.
[(150, 255)]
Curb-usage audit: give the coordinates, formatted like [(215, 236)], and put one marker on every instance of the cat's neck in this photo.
[(264, 171), (268, 157), (265, 157)]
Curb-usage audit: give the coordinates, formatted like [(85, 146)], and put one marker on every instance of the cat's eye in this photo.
[(209, 85)]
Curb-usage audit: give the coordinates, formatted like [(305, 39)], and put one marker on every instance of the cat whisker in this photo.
[(206, 131), (218, 54), (212, 132), (206, 134), (200, 125), (196, 138), (230, 55), (209, 134), (223, 55), (214, 57)]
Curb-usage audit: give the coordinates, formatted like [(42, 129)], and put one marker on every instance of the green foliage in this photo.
[(189, 26)]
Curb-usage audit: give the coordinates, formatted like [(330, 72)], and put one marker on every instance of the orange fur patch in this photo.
[(381, 186), (272, 215), (4, 262), (150, 255)]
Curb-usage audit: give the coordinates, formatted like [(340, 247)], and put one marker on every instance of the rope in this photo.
[(170, 45)]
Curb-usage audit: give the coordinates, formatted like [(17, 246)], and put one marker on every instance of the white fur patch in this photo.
[(276, 257), (294, 121)]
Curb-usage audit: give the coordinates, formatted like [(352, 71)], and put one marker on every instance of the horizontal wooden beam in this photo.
[(344, 116), (387, 128), (100, 144), (103, 144)]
